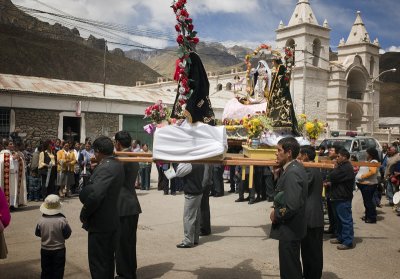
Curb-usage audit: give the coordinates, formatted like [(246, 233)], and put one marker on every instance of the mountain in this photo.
[(31, 47), (215, 57), (390, 86)]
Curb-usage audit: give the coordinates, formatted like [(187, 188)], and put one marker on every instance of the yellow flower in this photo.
[(303, 116)]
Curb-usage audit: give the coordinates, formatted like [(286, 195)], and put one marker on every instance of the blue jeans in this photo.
[(368, 192), (344, 225), (145, 177), (389, 191)]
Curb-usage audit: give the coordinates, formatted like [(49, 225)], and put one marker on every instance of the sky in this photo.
[(230, 22)]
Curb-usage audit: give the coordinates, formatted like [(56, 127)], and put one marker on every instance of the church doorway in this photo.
[(354, 116), (71, 128)]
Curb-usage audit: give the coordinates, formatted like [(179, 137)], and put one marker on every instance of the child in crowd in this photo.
[(53, 229), (34, 186)]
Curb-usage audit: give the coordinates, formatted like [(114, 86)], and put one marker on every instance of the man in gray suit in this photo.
[(129, 210), (288, 217), (99, 213), (311, 244)]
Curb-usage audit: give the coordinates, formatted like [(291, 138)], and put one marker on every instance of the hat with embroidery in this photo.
[(51, 205)]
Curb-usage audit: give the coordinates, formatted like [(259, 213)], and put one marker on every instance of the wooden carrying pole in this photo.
[(230, 160)]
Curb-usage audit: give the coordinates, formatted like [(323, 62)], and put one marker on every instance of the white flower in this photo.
[(181, 90)]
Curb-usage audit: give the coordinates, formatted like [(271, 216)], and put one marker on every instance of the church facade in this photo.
[(343, 91)]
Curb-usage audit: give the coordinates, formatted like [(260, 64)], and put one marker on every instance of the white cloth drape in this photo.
[(189, 142)]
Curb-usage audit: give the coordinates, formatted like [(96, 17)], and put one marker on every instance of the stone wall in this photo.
[(101, 124), (37, 124)]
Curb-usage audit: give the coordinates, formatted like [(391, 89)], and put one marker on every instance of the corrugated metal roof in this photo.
[(95, 90)]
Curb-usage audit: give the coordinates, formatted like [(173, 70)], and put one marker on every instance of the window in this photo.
[(4, 123)]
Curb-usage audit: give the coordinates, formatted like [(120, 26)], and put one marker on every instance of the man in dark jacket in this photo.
[(193, 176), (342, 183), (99, 213), (288, 221), (311, 244), (129, 210)]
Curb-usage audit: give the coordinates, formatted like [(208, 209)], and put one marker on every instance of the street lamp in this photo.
[(373, 95)]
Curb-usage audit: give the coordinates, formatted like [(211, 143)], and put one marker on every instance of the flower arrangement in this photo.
[(186, 37), (314, 128), (256, 124), (310, 129), (157, 112)]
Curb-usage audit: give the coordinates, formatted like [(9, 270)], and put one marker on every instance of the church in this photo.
[(342, 89)]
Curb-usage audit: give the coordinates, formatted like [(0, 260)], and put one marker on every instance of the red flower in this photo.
[(184, 13), (189, 20), (177, 28), (190, 27), (179, 39), (182, 101), (195, 40)]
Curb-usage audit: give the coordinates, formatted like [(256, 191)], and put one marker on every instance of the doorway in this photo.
[(71, 129)]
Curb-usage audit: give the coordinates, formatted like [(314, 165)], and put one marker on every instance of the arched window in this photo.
[(356, 85), (290, 43), (228, 86), (316, 52), (371, 66), (219, 87)]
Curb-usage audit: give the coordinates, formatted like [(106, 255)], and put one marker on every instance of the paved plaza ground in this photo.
[(239, 246)]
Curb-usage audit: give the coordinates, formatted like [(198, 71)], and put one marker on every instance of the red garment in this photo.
[(5, 216), (177, 69)]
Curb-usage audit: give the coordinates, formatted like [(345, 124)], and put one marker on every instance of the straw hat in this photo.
[(51, 205)]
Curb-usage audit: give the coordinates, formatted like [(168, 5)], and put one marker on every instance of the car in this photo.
[(356, 145)]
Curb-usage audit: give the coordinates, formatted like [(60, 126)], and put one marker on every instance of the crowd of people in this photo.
[(56, 170)]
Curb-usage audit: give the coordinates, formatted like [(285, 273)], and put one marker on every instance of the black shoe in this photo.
[(369, 221), (264, 198), (247, 199), (328, 231), (363, 218), (182, 245), (218, 195), (240, 200), (270, 199), (231, 191), (195, 244), (258, 199), (204, 233), (251, 202), (211, 194)]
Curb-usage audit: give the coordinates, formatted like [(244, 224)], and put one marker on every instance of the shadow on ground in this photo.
[(242, 270), (329, 275), (154, 270), (20, 270)]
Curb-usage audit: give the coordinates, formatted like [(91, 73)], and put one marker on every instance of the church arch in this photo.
[(290, 43), (316, 52), (354, 116), (356, 84), (219, 87), (371, 66), (358, 60)]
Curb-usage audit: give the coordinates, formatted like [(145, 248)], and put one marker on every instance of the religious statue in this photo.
[(279, 103)]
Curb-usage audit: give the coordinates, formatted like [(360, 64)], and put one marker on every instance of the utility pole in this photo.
[(104, 68), (373, 97), (304, 79)]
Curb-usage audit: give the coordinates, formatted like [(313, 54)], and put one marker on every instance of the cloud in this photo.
[(393, 49)]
